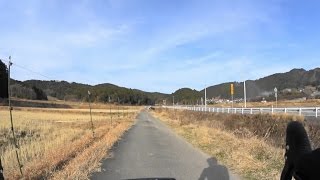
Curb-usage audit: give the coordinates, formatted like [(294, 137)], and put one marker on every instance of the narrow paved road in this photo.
[(151, 149)]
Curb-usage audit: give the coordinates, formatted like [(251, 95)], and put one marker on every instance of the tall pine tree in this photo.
[(3, 80)]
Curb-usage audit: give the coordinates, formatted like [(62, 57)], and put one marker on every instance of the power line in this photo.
[(27, 69), (41, 74)]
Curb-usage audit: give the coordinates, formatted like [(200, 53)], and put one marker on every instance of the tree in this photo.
[(3, 80), (40, 95)]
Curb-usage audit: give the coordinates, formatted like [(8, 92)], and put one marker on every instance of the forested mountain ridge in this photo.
[(293, 84), (295, 80), (101, 93)]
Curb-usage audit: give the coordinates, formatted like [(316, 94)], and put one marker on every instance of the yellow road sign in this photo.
[(231, 89)]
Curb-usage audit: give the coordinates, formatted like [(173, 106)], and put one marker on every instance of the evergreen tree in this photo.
[(40, 95), (3, 80)]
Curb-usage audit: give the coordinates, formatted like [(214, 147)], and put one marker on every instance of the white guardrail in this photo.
[(302, 111)]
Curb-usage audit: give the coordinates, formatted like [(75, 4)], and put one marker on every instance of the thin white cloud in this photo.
[(132, 50), (90, 37), (222, 22)]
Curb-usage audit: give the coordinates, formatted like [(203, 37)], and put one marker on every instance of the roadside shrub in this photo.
[(271, 128)]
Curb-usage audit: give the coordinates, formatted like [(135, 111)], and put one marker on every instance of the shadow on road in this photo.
[(214, 171)]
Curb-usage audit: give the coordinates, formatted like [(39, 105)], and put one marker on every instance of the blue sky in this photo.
[(159, 45)]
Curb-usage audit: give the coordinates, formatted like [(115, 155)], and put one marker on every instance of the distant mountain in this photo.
[(186, 96), (296, 83), (294, 80), (101, 93)]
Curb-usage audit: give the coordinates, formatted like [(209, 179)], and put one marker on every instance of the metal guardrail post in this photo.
[(285, 110), (260, 110), (228, 110), (316, 112), (251, 111), (300, 111), (272, 109)]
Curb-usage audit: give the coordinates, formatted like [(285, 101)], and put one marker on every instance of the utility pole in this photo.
[(245, 94), (110, 114), (276, 95), (205, 98), (92, 128), (10, 109)]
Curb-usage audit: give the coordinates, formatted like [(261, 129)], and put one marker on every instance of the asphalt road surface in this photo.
[(151, 149)]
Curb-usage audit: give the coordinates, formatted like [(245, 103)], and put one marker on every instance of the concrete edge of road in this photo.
[(182, 139)]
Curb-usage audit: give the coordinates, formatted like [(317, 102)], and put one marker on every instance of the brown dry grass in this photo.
[(62, 104), (251, 145), (58, 144)]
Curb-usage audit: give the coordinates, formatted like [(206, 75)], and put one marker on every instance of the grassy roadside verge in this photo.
[(250, 147)]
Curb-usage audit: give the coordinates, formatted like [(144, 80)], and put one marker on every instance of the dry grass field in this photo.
[(59, 104), (58, 143), (250, 145)]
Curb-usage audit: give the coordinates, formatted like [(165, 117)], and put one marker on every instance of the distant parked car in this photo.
[(151, 108)]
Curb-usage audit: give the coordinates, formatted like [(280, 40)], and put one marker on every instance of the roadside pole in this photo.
[(245, 94), (276, 95), (110, 114), (205, 99), (118, 112), (10, 109), (92, 128), (173, 101), (231, 92)]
